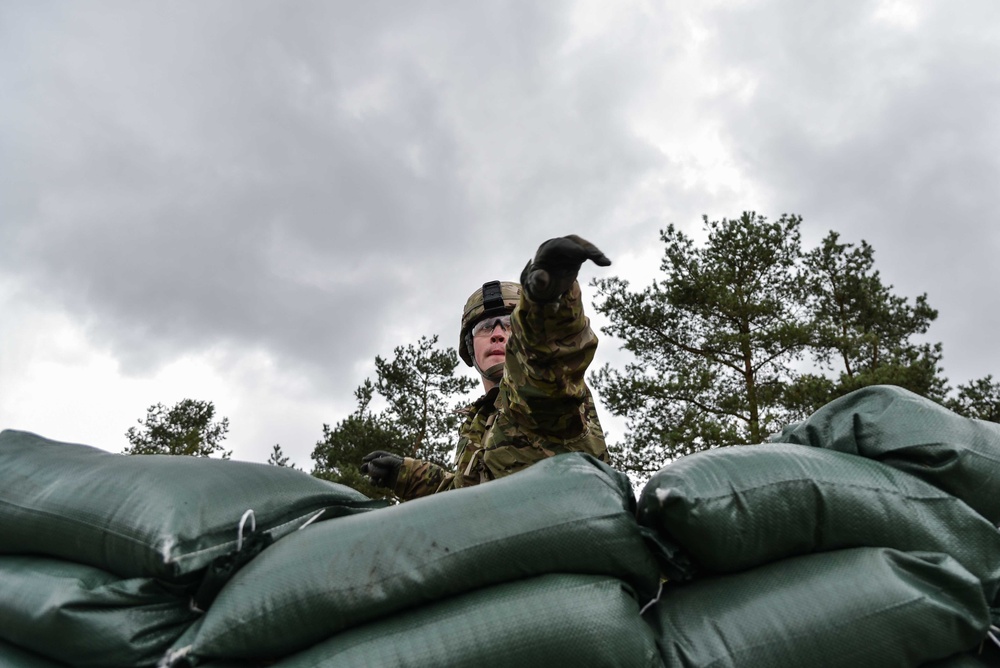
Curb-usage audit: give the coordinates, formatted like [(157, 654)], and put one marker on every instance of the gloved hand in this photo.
[(556, 265), (382, 468)]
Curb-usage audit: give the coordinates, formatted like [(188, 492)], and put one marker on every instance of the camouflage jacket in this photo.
[(541, 407)]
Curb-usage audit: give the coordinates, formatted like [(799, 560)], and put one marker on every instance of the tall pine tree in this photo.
[(421, 394), (186, 428), (713, 340), (747, 332), (862, 332)]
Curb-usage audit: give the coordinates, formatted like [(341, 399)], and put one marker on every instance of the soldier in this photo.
[(532, 348)]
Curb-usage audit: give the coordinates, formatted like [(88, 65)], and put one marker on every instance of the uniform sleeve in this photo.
[(544, 393), (418, 478), (544, 405)]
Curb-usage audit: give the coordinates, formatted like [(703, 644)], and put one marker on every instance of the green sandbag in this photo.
[(147, 515), (567, 514), (913, 434), (986, 657), (737, 507), (12, 656), (87, 617), (863, 608), (548, 621)]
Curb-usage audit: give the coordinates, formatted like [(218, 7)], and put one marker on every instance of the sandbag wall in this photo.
[(865, 536), (105, 558), (104, 554), (867, 539), (544, 567)]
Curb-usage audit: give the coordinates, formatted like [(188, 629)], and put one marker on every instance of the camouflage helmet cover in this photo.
[(494, 298)]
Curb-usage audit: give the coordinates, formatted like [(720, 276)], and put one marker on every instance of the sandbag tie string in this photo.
[(990, 634), (312, 519), (222, 568), (656, 599), (243, 520), (171, 658)]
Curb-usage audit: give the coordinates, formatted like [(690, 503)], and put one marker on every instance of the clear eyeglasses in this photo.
[(486, 326)]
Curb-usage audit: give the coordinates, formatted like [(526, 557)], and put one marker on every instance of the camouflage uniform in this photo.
[(541, 408)]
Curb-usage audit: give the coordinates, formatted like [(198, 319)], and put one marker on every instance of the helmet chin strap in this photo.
[(494, 373)]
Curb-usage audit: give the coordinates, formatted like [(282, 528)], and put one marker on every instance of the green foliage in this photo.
[(419, 387), (861, 328), (278, 458), (748, 332), (979, 399), (187, 428), (713, 339), (915, 367), (338, 455)]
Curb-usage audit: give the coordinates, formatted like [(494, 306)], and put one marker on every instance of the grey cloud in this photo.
[(318, 182), (292, 177), (885, 134)]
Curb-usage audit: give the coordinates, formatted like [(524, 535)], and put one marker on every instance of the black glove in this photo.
[(556, 265), (381, 467)]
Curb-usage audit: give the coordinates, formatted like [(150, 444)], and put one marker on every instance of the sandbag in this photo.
[(914, 434), (985, 657), (547, 621), (863, 608), (155, 516), (87, 617), (738, 507), (567, 514), (12, 656)]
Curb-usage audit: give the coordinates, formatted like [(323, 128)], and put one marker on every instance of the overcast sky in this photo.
[(247, 201)]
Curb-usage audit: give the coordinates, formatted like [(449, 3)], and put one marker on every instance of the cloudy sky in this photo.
[(246, 201)]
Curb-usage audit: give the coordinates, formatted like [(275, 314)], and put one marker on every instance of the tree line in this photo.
[(417, 386), (737, 337), (750, 331)]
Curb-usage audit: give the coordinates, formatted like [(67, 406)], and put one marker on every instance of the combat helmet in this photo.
[(494, 298)]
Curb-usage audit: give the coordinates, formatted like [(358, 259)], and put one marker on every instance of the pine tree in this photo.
[(713, 340), (186, 428), (278, 458)]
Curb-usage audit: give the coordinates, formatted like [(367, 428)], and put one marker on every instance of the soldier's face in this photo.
[(490, 348)]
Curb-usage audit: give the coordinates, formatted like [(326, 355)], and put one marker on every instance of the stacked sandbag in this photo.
[(856, 608), (734, 508), (105, 558), (12, 656), (987, 655), (914, 434), (543, 622), (411, 568), (158, 516), (84, 616), (789, 552)]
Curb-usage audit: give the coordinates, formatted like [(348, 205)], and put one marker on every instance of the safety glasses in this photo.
[(486, 326)]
